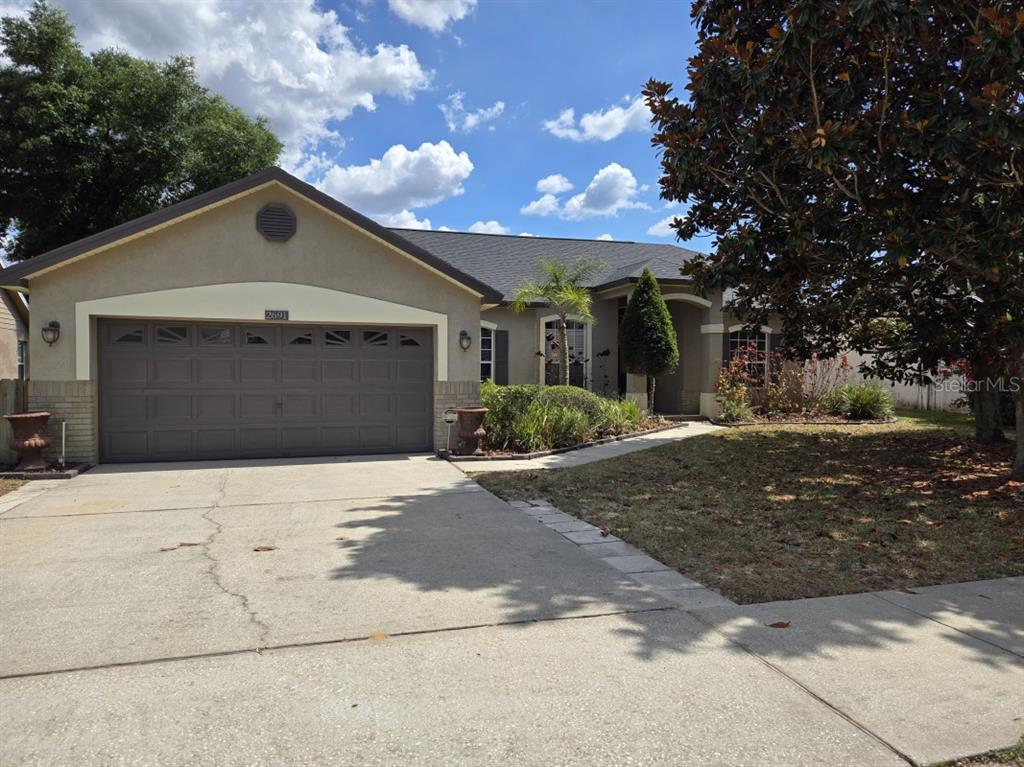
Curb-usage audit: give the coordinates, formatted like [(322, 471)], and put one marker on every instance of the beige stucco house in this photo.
[(265, 318)]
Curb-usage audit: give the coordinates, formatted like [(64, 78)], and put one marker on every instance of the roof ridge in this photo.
[(524, 236)]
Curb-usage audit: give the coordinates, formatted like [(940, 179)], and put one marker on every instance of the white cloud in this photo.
[(604, 237), (526, 234), (404, 219), (293, 62), (613, 188), (556, 183), (602, 125), (459, 119), (401, 179), (489, 227), (543, 206), (663, 228), (434, 15)]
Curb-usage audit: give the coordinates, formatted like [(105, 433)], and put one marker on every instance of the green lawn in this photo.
[(7, 485), (773, 512), (1013, 756)]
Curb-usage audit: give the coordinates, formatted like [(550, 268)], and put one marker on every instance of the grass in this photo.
[(772, 512), (1014, 755), (7, 485)]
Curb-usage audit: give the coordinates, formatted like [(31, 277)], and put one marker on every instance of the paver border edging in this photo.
[(557, 451), (650, 574)]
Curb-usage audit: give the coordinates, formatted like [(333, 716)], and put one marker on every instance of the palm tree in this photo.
[(562, 289)]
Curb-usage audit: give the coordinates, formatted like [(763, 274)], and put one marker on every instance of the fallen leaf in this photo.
[(378, 636), (341, 538), (908, 591), (265, 548), (779, 625), (169, 548), (259, 650)]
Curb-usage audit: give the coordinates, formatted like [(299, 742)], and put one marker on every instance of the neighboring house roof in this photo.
[(12, 276), (505, 261)]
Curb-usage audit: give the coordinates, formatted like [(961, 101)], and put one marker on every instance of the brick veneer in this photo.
[(451, 394), (75, 403)]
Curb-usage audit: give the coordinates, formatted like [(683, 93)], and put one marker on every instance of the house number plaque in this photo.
[(275, 314)]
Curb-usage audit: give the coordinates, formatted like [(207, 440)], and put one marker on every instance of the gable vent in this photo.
[(276, 222)]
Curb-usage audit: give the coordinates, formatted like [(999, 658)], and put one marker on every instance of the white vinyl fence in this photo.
[(942, 396)]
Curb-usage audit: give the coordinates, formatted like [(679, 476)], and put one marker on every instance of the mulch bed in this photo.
[(51, 472), (806, 419), (497, 455)]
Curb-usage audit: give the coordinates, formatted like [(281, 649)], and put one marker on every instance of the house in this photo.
[(13, 336), (264, 318)]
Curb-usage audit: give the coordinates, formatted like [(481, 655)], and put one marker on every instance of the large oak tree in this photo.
[(861, 166), (90, 141)]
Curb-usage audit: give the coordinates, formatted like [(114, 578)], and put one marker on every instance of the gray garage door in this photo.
[(179, 390)]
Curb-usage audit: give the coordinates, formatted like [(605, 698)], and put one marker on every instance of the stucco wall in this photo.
[(12, 330), (222, 246), (679, 392), (523, 342)]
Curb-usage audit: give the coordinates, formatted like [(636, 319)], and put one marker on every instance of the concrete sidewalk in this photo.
[(596, 453)]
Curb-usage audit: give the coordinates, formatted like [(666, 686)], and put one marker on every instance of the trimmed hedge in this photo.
[(527, 418), (861, 402)]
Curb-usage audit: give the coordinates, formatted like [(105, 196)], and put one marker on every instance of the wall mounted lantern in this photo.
[(465, 340), (51, 332)]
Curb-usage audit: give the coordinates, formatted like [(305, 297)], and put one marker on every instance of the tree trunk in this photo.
[(988, 427), (563, 352), (1017, 382), (650, 394)]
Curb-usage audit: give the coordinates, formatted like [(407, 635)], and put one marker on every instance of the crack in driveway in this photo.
[(214, 568)]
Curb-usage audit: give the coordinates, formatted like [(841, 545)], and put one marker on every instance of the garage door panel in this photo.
[(215, 371), (259, 372), (219, 442), (171, 443), (339, 371), (163, 406), (126, 406), (376, 371), (216, 406), (177, 390)]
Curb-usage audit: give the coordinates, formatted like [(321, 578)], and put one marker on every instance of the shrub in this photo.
[(525, 419), (860, 402), (573, 397), (733, 410)]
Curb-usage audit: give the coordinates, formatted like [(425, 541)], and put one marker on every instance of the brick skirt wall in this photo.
[(451, 394), (75, 403)]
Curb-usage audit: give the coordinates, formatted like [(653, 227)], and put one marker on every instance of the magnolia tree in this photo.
[(861, 166), (647, 337)]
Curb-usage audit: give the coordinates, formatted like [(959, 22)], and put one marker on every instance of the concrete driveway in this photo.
[(401, 615)]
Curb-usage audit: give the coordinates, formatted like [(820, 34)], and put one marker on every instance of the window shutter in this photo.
[(725, 349), (774, 342), (501, 357)]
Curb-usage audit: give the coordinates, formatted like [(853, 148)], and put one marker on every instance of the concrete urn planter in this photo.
[(30, 438), (471, 429)]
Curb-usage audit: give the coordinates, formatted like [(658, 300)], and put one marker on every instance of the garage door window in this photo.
[(337, 337), (133, 336), (215, 336), (408, 341), (302, 338), (375, 338), (256, 339), (174, 334)]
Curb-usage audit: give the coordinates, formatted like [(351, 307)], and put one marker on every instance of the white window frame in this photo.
[(755, 337), (490, 328), (588, 347)]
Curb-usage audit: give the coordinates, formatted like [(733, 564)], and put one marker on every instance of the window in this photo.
[(337, 337), (375, 338), (21, 359), (133, 336), (252, 338), (172, 334), (215, 336), (755, 347), (486, 354), (576, 337), (405, 340), (302, 338)]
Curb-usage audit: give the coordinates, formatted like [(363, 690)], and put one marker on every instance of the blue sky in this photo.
[(355, 89)]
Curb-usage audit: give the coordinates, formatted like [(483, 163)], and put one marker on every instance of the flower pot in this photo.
[(29, 438), (471, 429)]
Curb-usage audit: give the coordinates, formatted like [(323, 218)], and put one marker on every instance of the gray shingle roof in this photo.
[(505, 261)]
